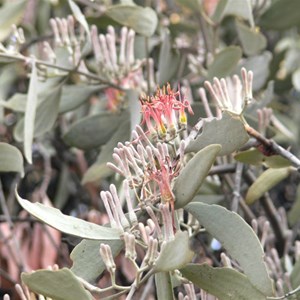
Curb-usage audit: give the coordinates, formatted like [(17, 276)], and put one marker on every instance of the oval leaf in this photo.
[(67, 224), (229, 132), (228, 228), (87, 262), (142, 20), (82, 133), (282, 14), (224, 283), (174, 254), (252, 41), (186, 186), (99, 169), (11, 159), (58, 285), (225, 62), (265, 182)]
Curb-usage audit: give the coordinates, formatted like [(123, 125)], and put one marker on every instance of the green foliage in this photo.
[(58, 285), (11, 159), (222, 224), (224, 283)]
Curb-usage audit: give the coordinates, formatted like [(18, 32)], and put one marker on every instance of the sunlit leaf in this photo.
[(294, 212), (224, 283), (67, 224), (11, 159), (224, 62), (296, 79), (95, 130), (228, 228), (30, 113), (174, 254), (58, 285), (229, 132), (142, 20), (192, 175), (11, 13), (163, 284), (87, 262), (265, 182)]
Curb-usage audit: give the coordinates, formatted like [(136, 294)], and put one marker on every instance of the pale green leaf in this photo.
[(11, 159), (282, 14), (174, 254), (168, 61), (11, 13), (296, 79), (95, 130), (30, 113), (224, 62), (252, 40), (224, 283), (99, 169), (229, 132), (142, 20), (265, 182), (295, 275), (134, 108), (79, 16), (57, 285), (228, 228), (87, 262), (186, 186), (46, 113), (164, 288), (69, 225)]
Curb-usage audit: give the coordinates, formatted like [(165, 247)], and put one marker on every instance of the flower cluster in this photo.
[(167, 109)]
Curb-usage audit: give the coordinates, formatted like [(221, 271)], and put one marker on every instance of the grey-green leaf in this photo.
[(241, 9), (265, 182), (46, 114), (94, 131), (252, 40), (228, 228), (282, 14), (75, 95), (174, 254), (164, 288), (99, 169), (11, 13), (296, 79), (57, 285), (142, 20), (224, 283), (87, 262), (30, 113), (229, 132), (11, 159), (192, 175), (67, 224), (168, 60), (224, 62)]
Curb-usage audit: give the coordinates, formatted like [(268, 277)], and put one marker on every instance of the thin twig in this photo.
[(237, 187), (272, 147)]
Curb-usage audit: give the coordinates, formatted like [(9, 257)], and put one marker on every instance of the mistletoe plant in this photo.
[(178, 177)]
